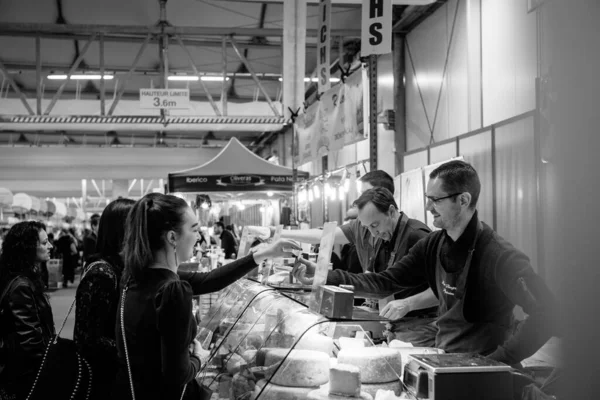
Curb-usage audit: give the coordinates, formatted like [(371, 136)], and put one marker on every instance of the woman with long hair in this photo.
[(97, 298), (158, 355), (26, 324)]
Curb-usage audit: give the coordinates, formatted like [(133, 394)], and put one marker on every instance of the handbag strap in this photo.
[(126, 350)]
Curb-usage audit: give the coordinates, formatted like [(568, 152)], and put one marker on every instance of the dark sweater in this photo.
[(500, 278), (160, 327)]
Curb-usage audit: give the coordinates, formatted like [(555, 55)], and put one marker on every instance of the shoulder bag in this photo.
[(68, 375)]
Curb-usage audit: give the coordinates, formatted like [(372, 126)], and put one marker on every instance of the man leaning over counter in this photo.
[(477, 275), (382, 236)]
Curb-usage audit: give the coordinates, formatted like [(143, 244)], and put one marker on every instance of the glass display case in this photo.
[(266, 344)]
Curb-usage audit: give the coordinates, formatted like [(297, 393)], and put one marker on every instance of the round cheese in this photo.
[(317, 342), (372, 388), (322, 394), (277, 392), (301, 368), (344, 380), (376, 364)]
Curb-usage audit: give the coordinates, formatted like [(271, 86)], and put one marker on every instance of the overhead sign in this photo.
[(376, 33), (169, 99), (324, 46), (230, 183)]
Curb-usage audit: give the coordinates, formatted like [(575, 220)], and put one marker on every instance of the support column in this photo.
[(294, 58), (399, 102), (372, 70)]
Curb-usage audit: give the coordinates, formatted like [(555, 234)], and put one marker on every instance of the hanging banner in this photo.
[(376, 32), (331, 123), (324, 46)]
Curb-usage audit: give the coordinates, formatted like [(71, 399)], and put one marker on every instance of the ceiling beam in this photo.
[(194, 42), (184, 31)]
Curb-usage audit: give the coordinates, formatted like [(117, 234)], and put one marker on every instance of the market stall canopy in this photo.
[(6, 197), (43, 207), (234, 169), (35, 204), (51, 208), (60, 209), (22, 203)]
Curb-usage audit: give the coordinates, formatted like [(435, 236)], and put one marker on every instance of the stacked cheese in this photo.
[(344, 384), (298, 374), (380, 367)]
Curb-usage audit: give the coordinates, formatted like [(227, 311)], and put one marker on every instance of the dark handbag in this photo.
[(67, 374)]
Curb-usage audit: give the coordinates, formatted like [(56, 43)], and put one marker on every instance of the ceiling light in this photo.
[(270, 194), (81, 77), (315, 80), (183, 78), (213, 78)]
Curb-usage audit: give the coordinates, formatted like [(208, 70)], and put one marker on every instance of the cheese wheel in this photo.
[(301, 368), (376, 364), (322, 394), (353, 343), (372, 388), (344, 380), (317, 342), (277, 392)]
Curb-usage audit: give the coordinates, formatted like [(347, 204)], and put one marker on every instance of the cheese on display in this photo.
[(372, 388), (314, 341), (376, 364), (344, 380), (277, 392), (301, 368), (322, 394), (353, 343)]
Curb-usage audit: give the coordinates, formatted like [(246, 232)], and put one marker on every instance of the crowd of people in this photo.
[(134, 323)]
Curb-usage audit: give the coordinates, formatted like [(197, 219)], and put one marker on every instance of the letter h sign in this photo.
[(376, 35)]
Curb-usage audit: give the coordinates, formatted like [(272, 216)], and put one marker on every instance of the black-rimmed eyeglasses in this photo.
[(436, 200)]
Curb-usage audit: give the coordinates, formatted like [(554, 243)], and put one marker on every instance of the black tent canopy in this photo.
[(234, 169)]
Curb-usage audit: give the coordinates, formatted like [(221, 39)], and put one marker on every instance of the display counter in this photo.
[(267, 344)]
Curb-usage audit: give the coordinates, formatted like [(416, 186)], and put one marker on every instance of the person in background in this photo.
[(386, 237), (478, 276), (155, 335), (26, 323), (231, 228), (228, 243), (97, 297), (90, 239), (66, 247)]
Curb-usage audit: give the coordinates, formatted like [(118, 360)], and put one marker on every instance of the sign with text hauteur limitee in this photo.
[(168, 99)]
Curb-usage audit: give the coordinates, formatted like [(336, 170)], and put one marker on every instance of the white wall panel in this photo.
[(442, 152), (516, 186), (508, 59), (415, 160), (477, 151)]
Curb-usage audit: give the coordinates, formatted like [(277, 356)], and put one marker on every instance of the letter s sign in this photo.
[(376, 33)]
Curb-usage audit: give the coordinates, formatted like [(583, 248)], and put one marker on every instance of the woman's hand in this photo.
[(280, 248), (197, 350)]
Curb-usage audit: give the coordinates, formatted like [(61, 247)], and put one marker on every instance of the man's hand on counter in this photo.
[(304, 271), (396, 309)]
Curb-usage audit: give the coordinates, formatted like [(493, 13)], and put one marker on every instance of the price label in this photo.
[(169, 99)]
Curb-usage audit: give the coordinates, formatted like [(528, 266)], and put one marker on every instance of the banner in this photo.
[(331, 123), (324, 46), (230, 183), (376, 33)]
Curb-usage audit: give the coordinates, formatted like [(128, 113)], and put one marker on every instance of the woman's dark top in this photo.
[(159, 328), (97, 298), (26, 327)]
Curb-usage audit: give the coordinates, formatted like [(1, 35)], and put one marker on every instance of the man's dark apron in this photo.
[(455, 333), (416, 330)]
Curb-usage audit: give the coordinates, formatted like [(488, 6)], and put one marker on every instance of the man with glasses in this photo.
[(378, 249), (477, 276)]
